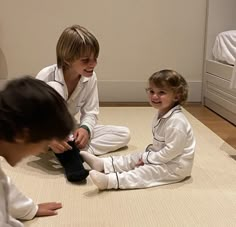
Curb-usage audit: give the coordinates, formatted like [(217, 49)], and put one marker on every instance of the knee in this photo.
[(127, 135)]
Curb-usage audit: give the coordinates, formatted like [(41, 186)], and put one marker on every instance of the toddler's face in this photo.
[(162, 99)]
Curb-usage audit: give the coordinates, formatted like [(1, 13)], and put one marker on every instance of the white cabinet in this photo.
[(217, 94)]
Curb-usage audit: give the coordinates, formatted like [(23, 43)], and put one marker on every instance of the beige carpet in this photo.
[(208, 198)]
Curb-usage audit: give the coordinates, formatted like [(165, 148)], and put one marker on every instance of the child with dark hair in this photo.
[(32, 114), (169, 158)]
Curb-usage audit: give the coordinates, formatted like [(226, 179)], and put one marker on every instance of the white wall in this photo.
[(137, 37)]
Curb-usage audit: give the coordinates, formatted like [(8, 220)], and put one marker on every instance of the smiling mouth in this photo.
[(88, 71), (155, 102)]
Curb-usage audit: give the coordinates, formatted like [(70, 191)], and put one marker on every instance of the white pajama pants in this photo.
[(107, 138), (122, 173)]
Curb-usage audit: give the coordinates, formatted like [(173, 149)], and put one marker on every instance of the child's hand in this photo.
[(81, 136), (59, 146), (48, 209), (139, 163)]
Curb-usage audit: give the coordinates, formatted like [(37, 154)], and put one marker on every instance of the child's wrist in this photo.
[(86, 128)]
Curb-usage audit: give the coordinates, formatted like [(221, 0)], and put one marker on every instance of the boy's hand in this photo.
[(81, 136), (59, 146), (139, 163), (48, 209)]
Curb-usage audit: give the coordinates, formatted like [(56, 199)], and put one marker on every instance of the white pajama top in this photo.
[(83, 100), (13, 204), (173, 143)]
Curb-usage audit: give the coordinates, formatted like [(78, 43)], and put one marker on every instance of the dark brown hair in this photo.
[(171, 79), (30, 104)]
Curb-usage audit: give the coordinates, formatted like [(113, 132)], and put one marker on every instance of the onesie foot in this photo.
[(93, 161), (99, 179)]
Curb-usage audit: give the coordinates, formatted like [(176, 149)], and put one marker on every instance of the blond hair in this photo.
[(74, 43)]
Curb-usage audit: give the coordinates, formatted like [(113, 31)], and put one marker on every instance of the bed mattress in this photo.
[(224, 49)]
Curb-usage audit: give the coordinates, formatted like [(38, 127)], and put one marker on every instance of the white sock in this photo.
[(93, 161), (99, 179)]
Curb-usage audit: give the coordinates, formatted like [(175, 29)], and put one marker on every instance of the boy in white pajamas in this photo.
[(28, 122), (169, 158), (74, 78)]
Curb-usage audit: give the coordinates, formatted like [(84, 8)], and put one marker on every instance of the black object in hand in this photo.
[(72, 162)]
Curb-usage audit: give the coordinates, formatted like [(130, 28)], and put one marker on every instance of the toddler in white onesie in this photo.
[(169, 158)]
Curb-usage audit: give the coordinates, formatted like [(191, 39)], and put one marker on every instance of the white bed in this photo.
[(220, 76), (218, 94), (224, 49)]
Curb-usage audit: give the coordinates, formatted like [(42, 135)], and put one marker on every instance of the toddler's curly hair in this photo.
[(172, 80)]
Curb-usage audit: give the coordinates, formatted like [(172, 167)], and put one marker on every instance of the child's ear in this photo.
[(19, 139), (177, 97), (23, 136)]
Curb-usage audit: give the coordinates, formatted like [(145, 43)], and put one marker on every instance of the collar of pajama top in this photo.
[(170, 112), (60, 78), (160, 122)]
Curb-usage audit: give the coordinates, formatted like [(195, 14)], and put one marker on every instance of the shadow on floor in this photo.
[(47, 162)]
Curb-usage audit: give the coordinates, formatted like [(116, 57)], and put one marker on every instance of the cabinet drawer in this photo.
[(221, 100), (219, 83), (219, 69)]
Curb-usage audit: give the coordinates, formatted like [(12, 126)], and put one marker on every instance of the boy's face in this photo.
[(84, 66), (15, 152)]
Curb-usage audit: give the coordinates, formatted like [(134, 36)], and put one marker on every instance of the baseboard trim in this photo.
[(134, 91)]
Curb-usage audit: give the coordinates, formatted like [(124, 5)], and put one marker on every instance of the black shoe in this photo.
[(72, 162)]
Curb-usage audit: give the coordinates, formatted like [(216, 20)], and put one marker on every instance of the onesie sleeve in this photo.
[(20, 206), (175, 140)]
